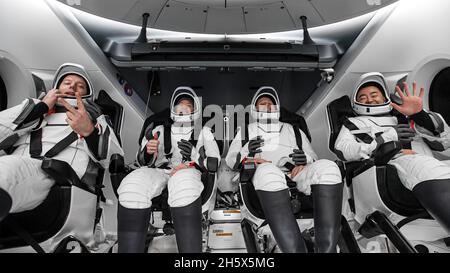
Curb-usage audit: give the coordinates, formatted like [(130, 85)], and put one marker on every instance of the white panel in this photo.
[(338, 10), (218, 20), (37, 38), (415, 34), (417, 29), (263, 15), (182, 17), (134, 15), (105, 8), (226, 236), (268, 18)]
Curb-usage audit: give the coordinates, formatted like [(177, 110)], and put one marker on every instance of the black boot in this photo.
[(132, 227), (327, 202), (5, 204), (187, 221), (281, 219), (434, 195)]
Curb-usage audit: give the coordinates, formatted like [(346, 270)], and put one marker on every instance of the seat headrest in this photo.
[(112, 109), (337, 111), (295, 120), (163, 118), (159, 118)]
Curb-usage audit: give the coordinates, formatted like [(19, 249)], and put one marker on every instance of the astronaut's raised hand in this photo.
[(51, 98), (405, 133), (152, 145), (299, 157), (254, 146), (78, 119), (185, 149), (411, 103)]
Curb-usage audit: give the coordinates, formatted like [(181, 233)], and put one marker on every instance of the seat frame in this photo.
[(302, 205), (70, 211), (390, 197)]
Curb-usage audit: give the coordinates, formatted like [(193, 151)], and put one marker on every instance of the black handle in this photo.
[(142, 38)]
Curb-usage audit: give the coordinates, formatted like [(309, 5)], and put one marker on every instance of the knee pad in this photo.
[(326, 172), (139, 188), (415, 169), (184, 187), (25, 182), (269, 177)]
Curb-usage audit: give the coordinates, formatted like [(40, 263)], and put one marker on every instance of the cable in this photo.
[(149, 93)]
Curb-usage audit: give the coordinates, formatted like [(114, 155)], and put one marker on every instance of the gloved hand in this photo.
[(185, 149), (404, 133), (254, 146), (152, 144), (299, 157)]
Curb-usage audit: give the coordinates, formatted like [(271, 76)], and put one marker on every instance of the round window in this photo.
[(440, 94), (3, 97)]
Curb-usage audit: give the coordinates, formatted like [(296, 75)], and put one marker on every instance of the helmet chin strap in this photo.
[(182, 128), (71, 101), (269, 126)]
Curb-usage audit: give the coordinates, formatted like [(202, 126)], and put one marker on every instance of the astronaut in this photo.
[(174, 161), (419, 132), (65, 125), (274, 147)]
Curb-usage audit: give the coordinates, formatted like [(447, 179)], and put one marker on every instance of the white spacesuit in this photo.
[(184, 187), (285, 147), (419, 171), (30, 132)]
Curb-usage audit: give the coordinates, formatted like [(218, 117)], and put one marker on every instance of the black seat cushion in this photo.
[(249, 196), (394, 194), (42, 223), (337, 111), (251, 200), (111, 109), (295, 120)]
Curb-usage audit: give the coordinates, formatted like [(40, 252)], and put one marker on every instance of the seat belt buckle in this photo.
[(247, 171)]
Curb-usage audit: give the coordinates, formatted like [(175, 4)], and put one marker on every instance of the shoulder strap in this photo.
[(60, 146), (298, 137), (36, 144), (245, 136), (8, 142), (194, 137), (366, 138), (167, 140), (93, 110)]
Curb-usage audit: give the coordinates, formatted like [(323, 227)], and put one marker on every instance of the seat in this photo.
[(71, 209), (375, 186), (302, 205), (118, 171)]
